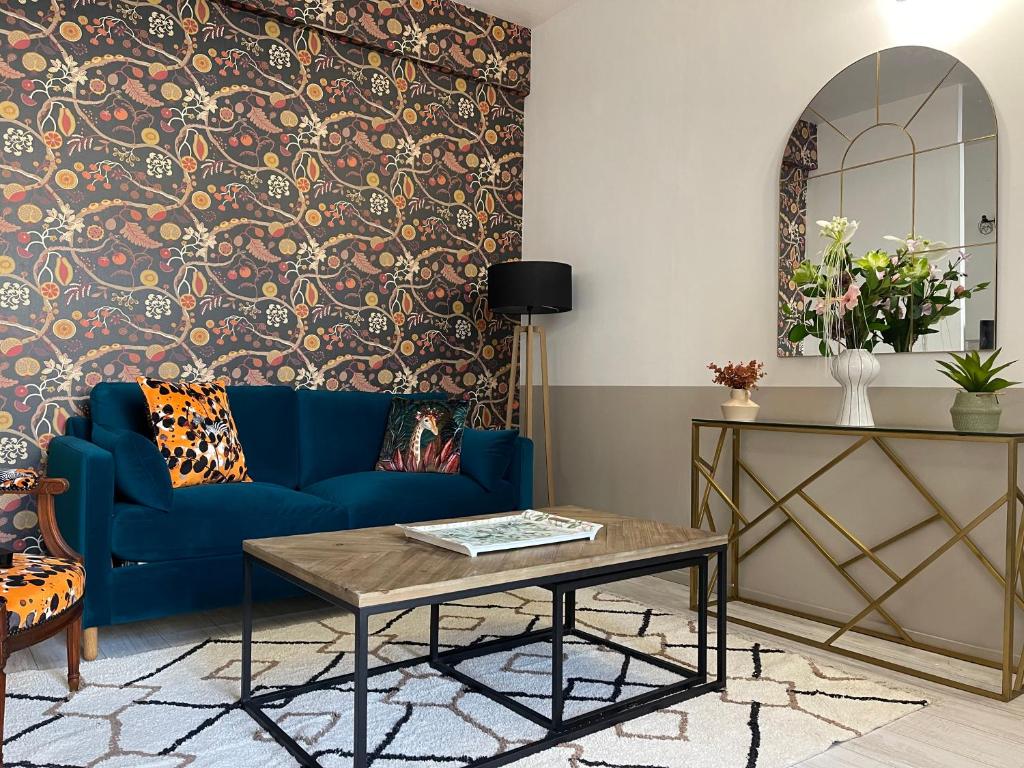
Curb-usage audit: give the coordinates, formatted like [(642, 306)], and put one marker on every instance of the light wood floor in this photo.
[(958, 730)]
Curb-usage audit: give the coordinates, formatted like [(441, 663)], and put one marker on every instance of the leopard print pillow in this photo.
[(195, 432), (22, 479)]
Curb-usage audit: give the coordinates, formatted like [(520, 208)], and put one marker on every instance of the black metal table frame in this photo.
[(563, 624)]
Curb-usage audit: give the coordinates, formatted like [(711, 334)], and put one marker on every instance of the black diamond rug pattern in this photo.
[(178, 707)]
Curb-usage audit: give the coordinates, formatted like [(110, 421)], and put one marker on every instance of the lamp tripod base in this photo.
[(527, 401)]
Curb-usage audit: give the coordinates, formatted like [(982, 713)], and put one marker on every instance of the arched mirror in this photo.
[(903, 142)]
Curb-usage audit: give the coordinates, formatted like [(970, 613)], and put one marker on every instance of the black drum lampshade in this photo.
[(529, 287)]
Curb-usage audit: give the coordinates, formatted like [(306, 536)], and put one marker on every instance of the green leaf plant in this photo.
[(845, 302), (972, 374)]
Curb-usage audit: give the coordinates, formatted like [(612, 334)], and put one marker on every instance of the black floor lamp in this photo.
[(518, 288)]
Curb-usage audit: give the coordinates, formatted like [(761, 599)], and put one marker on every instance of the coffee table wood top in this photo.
[(378, 566)]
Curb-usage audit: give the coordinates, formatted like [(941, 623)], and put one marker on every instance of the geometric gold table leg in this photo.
[(694, 496), (734, 544), (917, 569), (1019, 681), (700, 506), (829, 557), (705, 505), (899, 536), (1010, 587), (1009, 574), (795, 490), (943, 514), (694, 479)]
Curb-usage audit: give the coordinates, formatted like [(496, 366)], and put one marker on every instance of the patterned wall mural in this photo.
[(195, 190), (798, 160), (442, 33)]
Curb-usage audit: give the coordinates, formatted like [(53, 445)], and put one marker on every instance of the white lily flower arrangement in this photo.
[(932, 249), (879, 298)]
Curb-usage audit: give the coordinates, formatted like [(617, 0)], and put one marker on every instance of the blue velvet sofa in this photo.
[(311, 455)]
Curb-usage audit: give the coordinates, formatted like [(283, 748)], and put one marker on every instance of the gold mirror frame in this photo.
[(800, 161)]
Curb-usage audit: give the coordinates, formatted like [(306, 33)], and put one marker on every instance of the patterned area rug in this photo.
[(176, 707)]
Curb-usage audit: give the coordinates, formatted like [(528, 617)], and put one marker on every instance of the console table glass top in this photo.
[(881, 429)]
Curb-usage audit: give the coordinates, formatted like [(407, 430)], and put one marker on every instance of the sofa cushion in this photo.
[(209, 520), (140, 472), (268, 425), (342, 432), (487, 453), (385, 498), (120, 405), (195, 432), (339, 432), (267, 419)]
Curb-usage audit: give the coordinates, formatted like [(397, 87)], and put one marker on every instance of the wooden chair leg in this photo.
[(4, 650), (74, 639), (90, 644), (3, 697)]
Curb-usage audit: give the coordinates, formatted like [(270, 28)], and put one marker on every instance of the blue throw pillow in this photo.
[(486, 454), (140, 472)]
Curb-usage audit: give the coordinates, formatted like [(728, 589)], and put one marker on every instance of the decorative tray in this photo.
[(525, 529)]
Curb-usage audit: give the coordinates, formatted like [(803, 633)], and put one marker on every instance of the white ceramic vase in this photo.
[(739, 406), (855, 369)]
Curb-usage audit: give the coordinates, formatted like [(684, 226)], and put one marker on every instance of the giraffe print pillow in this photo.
[(195, 432), (424, 436)]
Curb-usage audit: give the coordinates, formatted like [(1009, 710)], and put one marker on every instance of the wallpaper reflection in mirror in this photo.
[(904, 143)]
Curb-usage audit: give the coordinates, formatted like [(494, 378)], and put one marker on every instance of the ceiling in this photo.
[(528, 13)]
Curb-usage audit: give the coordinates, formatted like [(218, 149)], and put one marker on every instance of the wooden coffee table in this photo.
[(378, 570)]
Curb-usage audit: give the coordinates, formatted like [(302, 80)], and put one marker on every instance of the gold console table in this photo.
[(1007, 575)]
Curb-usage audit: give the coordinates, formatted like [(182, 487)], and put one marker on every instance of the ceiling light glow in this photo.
[(936, 22)]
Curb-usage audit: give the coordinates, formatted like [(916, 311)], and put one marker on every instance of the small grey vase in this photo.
[(976, 412)]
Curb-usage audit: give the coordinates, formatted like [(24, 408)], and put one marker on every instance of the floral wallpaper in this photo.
[(444, 34), (798, 160), (191, 190)]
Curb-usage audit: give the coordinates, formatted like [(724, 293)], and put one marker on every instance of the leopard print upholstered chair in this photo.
[(41, 595)]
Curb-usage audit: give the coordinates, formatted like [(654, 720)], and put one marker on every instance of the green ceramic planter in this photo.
[(976, 412)]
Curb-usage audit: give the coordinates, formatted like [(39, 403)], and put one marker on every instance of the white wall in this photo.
[(654, 134)]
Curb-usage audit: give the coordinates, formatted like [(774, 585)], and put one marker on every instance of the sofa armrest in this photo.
[(78, 426), (84, 515), (520, 472)]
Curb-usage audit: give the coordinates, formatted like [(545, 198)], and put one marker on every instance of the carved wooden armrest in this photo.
[(47, 488)]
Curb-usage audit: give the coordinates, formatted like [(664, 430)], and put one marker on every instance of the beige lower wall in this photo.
[(627, 450)]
